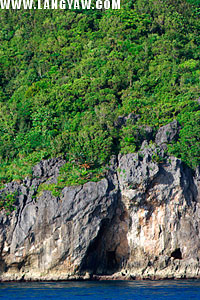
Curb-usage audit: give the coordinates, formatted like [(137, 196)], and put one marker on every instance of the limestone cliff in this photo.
[(141, 221)]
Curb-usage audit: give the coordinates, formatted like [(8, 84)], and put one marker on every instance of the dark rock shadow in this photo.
[(109, 252)]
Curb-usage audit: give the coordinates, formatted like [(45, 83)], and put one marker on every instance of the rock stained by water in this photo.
[(141, 221)]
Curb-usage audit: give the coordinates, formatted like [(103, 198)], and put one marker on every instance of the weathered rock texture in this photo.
[(141, 221), (163, 219), (168, 133)]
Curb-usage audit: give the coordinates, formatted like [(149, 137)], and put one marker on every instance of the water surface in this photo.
[(104, 290)]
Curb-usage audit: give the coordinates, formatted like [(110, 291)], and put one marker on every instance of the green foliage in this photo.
[(132, 137), (66, 76), (72, 174), (20, 167), (187, 148), (7, 202), (157, 158)]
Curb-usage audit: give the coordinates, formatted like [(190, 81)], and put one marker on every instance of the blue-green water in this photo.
[(115, 290)]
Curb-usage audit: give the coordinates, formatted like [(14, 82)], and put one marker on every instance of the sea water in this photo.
[(109, 290)]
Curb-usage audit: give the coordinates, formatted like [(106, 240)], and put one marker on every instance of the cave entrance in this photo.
[(112, 264), (109, 251), (177, 254), (98, 259)]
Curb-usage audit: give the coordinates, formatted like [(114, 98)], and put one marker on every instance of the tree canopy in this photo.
[(67, 75)]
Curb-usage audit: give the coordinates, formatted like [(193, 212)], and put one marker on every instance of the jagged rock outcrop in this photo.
[(168, 133), (123, 120), (162, 201), (141, 221)]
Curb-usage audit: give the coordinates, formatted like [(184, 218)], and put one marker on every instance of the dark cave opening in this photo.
[(111, 260), (109, 251), (98, 259), (177, 254)]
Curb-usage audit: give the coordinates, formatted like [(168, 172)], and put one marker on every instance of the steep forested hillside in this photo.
[(67, 76)]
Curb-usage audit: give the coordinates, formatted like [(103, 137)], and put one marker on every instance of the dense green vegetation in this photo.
[(7, 202), (66, 76), (73, 174)]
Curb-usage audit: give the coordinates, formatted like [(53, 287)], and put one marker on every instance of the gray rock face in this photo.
[(141, 221), (163, 216), (122, 120), (198, 100), (168, 133), (49, 238)]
